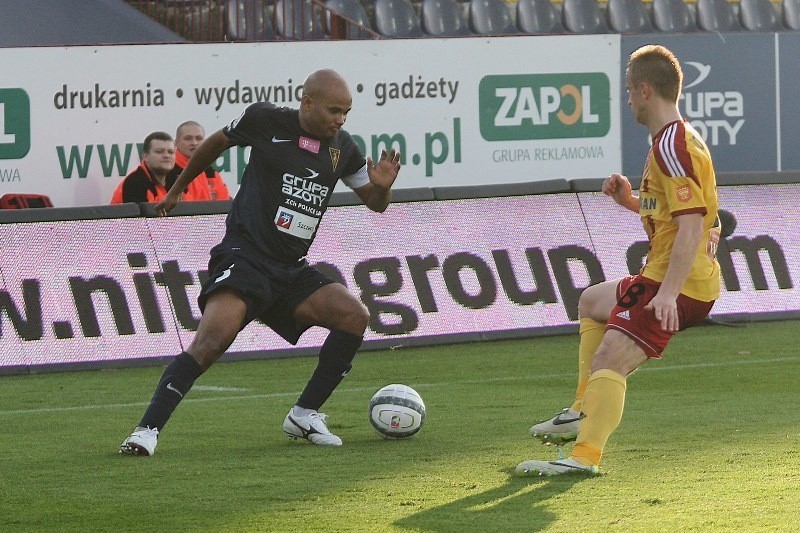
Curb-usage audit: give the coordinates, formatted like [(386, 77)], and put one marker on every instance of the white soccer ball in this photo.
[(396, 411)]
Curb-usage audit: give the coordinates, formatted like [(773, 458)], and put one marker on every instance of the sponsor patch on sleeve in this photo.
[(683, 193)]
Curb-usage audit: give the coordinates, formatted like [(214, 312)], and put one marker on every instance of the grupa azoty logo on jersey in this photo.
[(544, 106), (304, 188), (718, 116)]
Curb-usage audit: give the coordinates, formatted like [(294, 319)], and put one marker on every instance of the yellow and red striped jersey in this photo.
[(679, 179)]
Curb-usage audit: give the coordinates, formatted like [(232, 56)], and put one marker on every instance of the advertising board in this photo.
[(125, 289), (729, 96), (461, 111)]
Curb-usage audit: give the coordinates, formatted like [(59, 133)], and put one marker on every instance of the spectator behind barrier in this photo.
[(150, 181), (187, 138)]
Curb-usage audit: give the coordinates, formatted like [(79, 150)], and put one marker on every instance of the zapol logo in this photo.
[(15, 123), (544, 106)]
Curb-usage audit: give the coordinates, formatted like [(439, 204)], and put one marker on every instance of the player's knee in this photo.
[(356, 319), (597, 301), (586, 305), (351, 317)]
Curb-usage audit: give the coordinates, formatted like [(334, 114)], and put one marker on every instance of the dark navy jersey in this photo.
[(288, 180)]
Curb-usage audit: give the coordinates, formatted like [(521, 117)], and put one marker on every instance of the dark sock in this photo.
[(177, 379), (335, 361)]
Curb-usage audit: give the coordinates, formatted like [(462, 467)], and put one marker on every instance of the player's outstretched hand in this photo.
[(166, 205), (383, 172)]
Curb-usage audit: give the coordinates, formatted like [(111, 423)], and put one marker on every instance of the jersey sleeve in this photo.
[(358, 179), (247, 127), (354, 172), (681, 164)]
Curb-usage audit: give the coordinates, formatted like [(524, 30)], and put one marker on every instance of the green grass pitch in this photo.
[(709, 441)]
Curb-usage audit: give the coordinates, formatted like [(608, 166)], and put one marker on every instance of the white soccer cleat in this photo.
[(560, 429), (311, 427), (554, 468), (142, 441)]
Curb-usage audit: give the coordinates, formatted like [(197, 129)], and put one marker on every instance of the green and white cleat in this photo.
[(560, 429)]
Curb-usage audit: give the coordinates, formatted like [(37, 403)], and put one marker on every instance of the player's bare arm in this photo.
[(205, 154), (619, 188), (684, 251), (377, 194)]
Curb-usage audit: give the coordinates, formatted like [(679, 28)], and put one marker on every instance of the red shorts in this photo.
[(630, 317)]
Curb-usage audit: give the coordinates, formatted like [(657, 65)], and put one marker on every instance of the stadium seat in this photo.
[(443, 18), (583, 16), (759, 15), (298, 20), (673, 16), (490, 17), (629, 16), (24, 201), (396, 18), (717, 15), (791, 14), (538, 17), (342, 29), (247, 20)]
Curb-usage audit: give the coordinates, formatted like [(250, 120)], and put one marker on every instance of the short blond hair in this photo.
[(657, 66)]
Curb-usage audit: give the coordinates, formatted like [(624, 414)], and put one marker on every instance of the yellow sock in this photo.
[(603, 404), (591, 332)]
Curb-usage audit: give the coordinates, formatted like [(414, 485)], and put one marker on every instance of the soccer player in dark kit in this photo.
[(259, 269)]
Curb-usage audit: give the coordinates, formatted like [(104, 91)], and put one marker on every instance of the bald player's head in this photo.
[(322, 81), (325, 103)]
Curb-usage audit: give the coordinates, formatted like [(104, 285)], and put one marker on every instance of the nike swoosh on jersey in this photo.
[(276, 140)]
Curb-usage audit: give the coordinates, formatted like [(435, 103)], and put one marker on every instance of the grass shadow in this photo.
[(497, 508)]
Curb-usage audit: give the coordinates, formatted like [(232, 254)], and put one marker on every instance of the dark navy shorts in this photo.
[(272, 290)]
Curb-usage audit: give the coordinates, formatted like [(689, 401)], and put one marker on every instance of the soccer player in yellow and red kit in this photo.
[(623, 323)]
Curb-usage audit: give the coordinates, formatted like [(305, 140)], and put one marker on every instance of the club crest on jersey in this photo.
[(335, 153), (284, 220), (310, 145), (684, 193)]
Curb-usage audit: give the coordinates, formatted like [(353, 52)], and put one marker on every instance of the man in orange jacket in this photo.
[(150, 181), (188, 137)]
